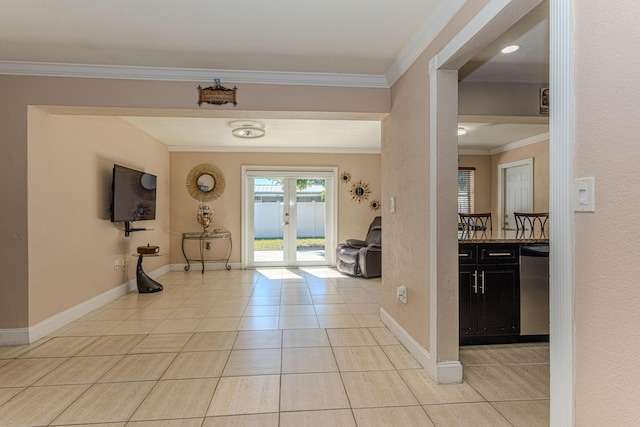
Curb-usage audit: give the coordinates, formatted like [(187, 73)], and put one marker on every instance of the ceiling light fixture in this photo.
[(248, 132), (247, 129), (461, 131), (510, 49)]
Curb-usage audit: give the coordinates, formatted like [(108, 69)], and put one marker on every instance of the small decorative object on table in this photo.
[(205, 216)]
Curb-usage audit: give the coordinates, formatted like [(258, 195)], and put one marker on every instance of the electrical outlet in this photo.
[(116, 264), (125, 262), (208, 246), (401, 293)]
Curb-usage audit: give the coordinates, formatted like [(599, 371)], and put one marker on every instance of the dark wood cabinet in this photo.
[(489, 293)]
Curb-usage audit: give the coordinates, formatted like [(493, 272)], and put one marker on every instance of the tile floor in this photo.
[(261, 348)]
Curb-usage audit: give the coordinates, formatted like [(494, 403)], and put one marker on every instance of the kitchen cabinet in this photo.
[(489, 293)]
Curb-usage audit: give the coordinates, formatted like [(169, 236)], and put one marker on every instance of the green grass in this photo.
[(278, 244)]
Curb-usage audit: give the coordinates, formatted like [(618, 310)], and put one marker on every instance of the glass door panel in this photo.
[(269, 202), (310, 220)]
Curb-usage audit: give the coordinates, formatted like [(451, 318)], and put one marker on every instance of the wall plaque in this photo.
[(217, 95)]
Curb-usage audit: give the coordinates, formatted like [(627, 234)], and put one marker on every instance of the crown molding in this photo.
[(441, 15), (52, 69), (314, 150), (506, 147), (473, 152), (521, 143)]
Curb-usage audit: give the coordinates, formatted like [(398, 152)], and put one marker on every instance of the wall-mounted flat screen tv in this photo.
[(134, 195)]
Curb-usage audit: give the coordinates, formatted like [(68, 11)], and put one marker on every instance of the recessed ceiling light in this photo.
[(461, 131), (510, 49)]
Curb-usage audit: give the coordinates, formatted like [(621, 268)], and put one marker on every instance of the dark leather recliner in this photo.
[(362, 257)]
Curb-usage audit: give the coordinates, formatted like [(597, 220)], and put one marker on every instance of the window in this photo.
[(465, 190)]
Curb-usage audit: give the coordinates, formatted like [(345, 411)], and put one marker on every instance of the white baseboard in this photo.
[(442, 373), (15, 336), (20, 336)]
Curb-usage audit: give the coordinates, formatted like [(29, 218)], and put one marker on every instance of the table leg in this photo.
[(202, 254), (226, 263), (188, 266), (145, 283)]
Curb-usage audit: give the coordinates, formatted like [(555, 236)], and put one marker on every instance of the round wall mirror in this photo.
[(360, 191), (205, 182)]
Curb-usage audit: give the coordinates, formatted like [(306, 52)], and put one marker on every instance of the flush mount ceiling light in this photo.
[(247, 129), (461, 131), (510, 49), (248, 132)]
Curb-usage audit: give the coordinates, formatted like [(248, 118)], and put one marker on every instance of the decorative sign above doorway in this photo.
[(217, 94)]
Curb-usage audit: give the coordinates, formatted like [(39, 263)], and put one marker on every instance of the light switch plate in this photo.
[(584, 195), (392, 204)]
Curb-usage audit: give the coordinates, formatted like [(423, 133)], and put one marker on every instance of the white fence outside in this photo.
[(268, 220)]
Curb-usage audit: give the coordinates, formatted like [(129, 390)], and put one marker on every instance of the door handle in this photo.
[(475, 281), (482, 285)]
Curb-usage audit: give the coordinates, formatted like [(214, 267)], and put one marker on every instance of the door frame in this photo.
[(331, 213), (493, 20), (502, 185)]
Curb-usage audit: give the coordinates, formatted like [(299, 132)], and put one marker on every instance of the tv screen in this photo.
[(134, 195)]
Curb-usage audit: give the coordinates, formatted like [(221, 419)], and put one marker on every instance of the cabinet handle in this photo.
[(475, 281), (499, 253), (463, 255), (482, 286)]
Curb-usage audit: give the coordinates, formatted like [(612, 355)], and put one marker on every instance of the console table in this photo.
[(204, 237), (146, 284)]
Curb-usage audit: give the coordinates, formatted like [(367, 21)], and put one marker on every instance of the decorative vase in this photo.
[(205, 216)]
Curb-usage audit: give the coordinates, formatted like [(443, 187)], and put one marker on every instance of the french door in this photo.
[(289, 216)]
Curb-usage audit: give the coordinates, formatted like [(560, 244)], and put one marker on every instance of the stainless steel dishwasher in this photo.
[(534, 289)]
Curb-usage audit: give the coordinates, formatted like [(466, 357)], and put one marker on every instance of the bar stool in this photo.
[(475, 225), (534, 222)]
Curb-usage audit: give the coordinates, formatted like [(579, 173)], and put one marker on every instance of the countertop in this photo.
[(503, 236)]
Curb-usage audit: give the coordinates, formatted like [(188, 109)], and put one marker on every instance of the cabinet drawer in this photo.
[(467, 254), (498, 254)]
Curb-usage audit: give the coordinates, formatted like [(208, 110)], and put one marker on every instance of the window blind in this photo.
[(465, 190)]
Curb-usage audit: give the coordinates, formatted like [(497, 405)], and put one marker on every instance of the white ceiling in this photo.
[(338, 37), (529, 64), (329, 36)]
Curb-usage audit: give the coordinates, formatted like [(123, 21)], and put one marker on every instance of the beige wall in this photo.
[(405, 176), (353, 217), (500, 99), (169, 98), (607, 296), (72, 242)]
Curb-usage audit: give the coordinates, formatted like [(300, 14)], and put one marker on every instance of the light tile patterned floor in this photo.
[(273, 347)]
